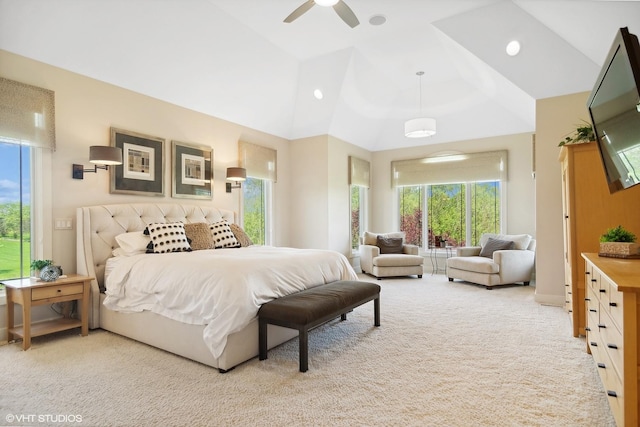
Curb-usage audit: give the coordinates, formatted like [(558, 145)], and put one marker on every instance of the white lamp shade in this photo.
[(236, 174), (420, 127), (103, 155)]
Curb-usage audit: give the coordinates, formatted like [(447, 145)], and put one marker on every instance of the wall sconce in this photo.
[(236, 175), (101, 156)]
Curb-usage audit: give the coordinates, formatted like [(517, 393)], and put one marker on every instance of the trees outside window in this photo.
[(358, 215), (256, 210), (457, 213)]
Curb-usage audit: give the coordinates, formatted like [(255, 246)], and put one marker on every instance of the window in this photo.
[(256, 210), (261, 165), (455, 198), (359, 176), (458, 213), (358, 218), (15, 211), (27, 133)]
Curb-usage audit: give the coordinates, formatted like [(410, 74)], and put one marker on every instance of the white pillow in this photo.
[(132, 242), (168, 237), (223, 236), (122, 253)]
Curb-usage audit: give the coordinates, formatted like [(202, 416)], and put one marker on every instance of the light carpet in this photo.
[(446, 354)]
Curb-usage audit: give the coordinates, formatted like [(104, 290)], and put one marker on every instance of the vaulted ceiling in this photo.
[(237, 59)]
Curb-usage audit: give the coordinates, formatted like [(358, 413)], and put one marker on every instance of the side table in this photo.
[(29, 292), (433, 256)]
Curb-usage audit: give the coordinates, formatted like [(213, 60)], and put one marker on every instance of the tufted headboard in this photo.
[(97, 227)]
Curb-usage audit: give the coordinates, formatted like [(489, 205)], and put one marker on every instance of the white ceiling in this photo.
[(237, 60)]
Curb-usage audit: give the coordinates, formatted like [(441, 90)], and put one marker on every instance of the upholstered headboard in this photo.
[(97, 227)]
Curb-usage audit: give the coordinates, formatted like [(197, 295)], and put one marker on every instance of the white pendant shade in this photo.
[(420, 128)]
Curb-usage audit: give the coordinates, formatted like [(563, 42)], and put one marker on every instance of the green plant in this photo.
[(618, 234), (583, 133), (39, 264)]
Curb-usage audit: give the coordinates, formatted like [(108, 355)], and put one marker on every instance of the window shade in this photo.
[(358, 172), (27, 115), (260, 162), (458, 168)]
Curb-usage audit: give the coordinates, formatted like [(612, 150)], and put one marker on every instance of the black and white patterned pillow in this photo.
[(223, 237), (167, 237)]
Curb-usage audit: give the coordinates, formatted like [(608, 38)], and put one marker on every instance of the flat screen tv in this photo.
[(614, 106)]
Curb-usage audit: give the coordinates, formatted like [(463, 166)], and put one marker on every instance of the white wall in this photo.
[(555, 118)]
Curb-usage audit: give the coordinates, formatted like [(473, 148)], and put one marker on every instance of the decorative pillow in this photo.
[(223, 237), (521, 241), (199, 236), (167, 237), (241, 236), (133, 242), (389, 245), (493, 245), (369, 238)]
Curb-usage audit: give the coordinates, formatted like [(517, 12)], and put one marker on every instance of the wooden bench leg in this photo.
[(304, 349), (376, 312), (262, 338)]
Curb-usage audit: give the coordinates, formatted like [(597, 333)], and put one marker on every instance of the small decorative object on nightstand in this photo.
[(30, 292)]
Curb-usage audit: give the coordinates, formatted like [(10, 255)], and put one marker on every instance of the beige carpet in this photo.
[(447, 354)]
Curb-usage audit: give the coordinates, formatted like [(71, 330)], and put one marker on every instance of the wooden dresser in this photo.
[(589, 210), (613, 331)]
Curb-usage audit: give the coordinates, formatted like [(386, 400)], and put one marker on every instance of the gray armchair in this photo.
[(386, 255)]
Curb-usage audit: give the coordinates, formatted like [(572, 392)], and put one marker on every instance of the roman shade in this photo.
[(260, 162), (27, 115), (359, 172), (449, 169)]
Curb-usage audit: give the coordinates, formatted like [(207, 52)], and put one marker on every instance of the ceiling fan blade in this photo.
[(299, 11), (346, 14)]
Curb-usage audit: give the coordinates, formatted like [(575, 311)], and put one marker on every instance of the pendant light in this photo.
[(420, 127)]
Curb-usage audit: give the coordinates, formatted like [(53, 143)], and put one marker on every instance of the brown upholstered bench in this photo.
[(307, 309)]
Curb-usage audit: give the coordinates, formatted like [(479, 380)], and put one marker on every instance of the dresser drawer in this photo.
[(611, 342), (592, 280), (56, 291), (614, 306)]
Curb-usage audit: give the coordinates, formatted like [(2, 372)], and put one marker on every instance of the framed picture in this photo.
[(142, 169), (192, 171)]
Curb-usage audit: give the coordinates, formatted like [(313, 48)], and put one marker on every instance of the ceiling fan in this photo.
[(341, 8)]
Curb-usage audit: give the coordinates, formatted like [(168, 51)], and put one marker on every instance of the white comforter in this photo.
[(220, 288)]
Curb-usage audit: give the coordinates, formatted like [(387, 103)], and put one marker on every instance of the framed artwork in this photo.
[(192, 171), (142, 168)]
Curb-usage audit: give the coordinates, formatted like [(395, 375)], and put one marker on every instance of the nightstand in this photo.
[(31, 292)]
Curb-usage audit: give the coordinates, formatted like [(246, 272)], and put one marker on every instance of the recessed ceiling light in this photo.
[(318, 94), (377, 20), (513, 48)]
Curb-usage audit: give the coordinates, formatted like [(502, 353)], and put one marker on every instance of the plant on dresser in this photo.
[(619, 242)]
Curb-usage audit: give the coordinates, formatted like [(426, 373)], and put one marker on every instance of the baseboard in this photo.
[(545, 299)]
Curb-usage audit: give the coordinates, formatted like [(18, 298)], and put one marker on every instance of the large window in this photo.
[(453, 198), (15, 211), (256, 210), (456, 213)]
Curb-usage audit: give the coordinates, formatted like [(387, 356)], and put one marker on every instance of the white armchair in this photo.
[(386, 255), (490, 264)]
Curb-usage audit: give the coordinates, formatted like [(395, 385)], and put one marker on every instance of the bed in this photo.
[(230, 283)]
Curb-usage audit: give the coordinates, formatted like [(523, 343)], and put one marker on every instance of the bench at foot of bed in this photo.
[(312, 307)]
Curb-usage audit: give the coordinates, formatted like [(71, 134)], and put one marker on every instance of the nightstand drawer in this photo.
[(55, 291)]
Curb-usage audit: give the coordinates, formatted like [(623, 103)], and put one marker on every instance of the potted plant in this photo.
[(619, 243), (39, 264), (583, 133)]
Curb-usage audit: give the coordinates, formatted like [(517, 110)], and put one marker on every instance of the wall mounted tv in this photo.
[(614, 106)]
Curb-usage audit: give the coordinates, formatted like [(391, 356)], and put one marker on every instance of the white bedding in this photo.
[(220, 288)]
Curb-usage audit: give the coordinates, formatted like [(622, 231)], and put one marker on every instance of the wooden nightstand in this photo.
[(31, 292)]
